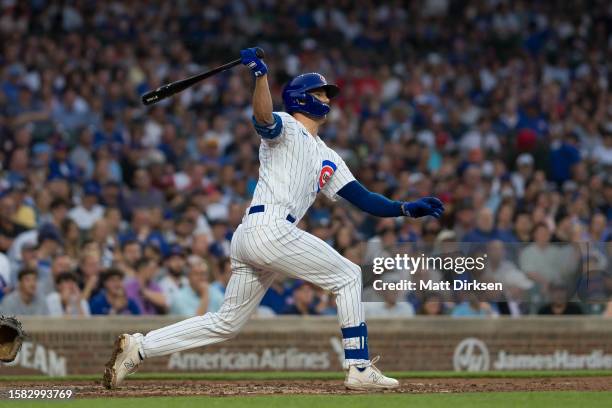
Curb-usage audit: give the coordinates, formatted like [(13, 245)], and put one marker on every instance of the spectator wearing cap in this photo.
[(23, 250), (109, 134), (25, 300), (220, 245), (196, 298), (28, 258), (144, 229), (89, 211), (49, 245), (144, 290), (523, 173), (41, 153), (113, 299), (175, 278), (67, 299), (61, 166), (302, 299)]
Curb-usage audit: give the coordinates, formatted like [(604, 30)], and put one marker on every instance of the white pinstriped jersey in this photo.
[(295, 166)]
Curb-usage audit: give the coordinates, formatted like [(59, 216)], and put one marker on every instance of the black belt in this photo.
[(261, 208)]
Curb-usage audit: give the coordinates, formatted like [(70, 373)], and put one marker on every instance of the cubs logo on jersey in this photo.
[(327, 171)]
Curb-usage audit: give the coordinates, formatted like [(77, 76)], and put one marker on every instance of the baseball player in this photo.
[(295, 165)]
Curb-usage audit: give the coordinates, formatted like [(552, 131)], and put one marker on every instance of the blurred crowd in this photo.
[(502, 109)]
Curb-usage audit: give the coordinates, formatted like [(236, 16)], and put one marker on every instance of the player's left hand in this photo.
[(424, 206), (257, 66)]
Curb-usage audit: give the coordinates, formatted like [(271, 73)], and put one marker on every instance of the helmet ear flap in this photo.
[(301, 98)]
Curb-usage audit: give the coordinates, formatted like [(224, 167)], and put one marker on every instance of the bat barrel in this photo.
[(167, 90)]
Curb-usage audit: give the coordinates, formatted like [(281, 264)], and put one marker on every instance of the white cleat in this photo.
[(123, 362), (369, 379)]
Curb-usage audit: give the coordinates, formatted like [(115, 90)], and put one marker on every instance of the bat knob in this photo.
[(259, 53)]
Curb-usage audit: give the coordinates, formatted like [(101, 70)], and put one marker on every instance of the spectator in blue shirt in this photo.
[(563, 157), (485, 230), (473, 307), (112, 299), (61, 166), (198, 297), (303, 300), (109, 134), (276, 297)]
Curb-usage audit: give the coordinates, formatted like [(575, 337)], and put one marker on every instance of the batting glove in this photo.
[(257, 66), (422, 207)]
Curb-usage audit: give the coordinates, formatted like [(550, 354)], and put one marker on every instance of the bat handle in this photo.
[(259, 53)]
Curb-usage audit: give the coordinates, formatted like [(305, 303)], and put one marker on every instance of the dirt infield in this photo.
[(152, 388)]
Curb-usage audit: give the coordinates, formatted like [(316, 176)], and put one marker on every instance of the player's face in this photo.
[(321, 95)]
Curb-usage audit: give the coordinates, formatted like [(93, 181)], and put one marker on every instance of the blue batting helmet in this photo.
[(297, 99)]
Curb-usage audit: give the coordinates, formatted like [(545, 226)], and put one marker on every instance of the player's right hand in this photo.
[(257, 66), (424, 206)]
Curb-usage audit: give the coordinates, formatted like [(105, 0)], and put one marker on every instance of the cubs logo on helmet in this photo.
[(327, 171)]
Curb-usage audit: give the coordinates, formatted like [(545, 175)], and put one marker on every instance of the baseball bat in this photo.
[(172, 88)]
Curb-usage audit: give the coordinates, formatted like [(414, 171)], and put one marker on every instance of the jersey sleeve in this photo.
[(341, 177)]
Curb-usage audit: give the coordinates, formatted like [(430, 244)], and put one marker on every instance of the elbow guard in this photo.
[(269, 131)]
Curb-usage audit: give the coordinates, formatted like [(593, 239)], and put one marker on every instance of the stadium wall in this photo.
[(59, 347)]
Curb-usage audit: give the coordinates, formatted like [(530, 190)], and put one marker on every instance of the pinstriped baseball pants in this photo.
[(259, 252)]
